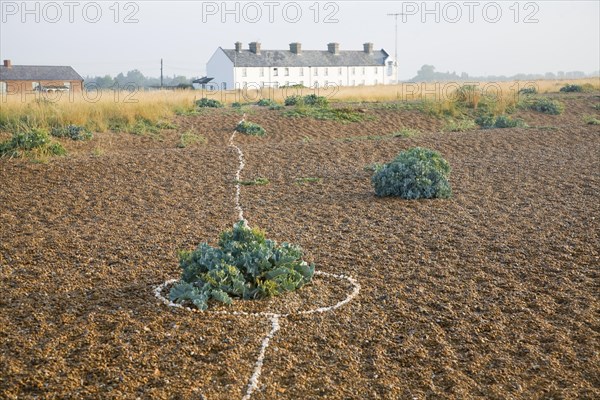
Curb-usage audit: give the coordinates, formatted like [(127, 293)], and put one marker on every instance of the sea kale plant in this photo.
[(416, 173), (245, 265)]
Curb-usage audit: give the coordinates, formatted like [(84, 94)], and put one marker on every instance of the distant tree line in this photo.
[(137, 79), (427, 73)]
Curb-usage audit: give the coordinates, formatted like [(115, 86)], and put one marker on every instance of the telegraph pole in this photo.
[(396, 15), (161, 73)]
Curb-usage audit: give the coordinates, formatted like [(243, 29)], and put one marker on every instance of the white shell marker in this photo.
[(238, 187), (274, 318)]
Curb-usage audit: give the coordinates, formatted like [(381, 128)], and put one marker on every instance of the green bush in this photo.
[(314, 100), (74, 132), (569, 88), (309, 100), (35, 143), (528, 90), (293, 100), (210, 103), (459, 125), (246, 265), (546, 106), (417, 173), (266, 103), (488, 121), (250, 128)]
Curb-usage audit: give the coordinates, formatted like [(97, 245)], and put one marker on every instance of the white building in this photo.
[(254, 68)]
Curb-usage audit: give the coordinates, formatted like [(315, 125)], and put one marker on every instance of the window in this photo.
[(302, 83), (326, 71), (301, 71), (2, 87), (244, 72), (316, 71), (262, 83), (286, 71), (275, 72), (261, 71), (376, 82), (353, 71), (363, 70), (339, 70), (376, 70)]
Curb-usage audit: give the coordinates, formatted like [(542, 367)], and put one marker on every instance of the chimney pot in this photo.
[(7, 63), (255, 47), (296, 48), (368, 48), (333, 48), (238, 47)]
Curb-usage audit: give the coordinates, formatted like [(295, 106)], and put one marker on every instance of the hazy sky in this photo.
[(477, 37)]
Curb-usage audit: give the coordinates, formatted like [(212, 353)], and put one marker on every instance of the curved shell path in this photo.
[(274, 318)]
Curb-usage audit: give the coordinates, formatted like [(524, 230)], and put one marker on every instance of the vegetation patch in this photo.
[(546, 106), (245, 265), (250, 128), (311, 100), (570, 88), (459, 125), (35, 144), (189, 138), (591, 120), (266, 103), (488, 121), (333, 114), (254, 182), (528, 90), (208, 103), (73, 132), (417, 173)]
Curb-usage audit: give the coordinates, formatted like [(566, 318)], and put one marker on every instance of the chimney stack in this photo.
[(255, 47), (7, 64), (333, 48), (368, 47), (238, 47), (296, 48)]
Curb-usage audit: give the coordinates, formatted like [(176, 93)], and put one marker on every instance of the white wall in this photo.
[(309, 76), (220, 67)]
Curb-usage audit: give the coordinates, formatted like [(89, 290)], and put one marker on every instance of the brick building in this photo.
[(16, 79)]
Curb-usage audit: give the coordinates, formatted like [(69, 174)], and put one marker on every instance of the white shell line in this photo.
[(273, 317), (253, 385), (238, 189), (355, 290)]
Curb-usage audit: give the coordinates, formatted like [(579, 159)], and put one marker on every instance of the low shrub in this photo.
[(292, 100), (266, 103), (546, 106), (189, 138), (310, 100), (570, 88), (254, 182), (416, 173), (245, 265), (528, 90), (208, 103), (74, 132), (35, 143), (250, 128), (488, 121), (459, 125), (591, 120)]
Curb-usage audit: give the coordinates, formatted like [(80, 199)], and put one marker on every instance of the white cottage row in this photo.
[(254, 68)]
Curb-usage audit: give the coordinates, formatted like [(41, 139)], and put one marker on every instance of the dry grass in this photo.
[(122, 111)]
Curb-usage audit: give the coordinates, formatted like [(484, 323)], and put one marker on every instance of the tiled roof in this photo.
[(38, 73), (307, 58)]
